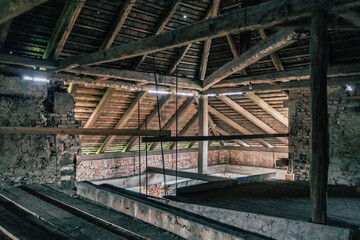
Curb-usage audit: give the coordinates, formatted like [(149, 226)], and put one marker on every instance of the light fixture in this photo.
[(211, 95), (37, 79), (158, 92), (184, 94), (349, 88), (231, 93), (185, 16), (85, 84), (28, 78)]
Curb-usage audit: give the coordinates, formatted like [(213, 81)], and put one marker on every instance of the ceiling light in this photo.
[(185, 16), (39, 79), (349, 88), (184, 94), (212, 95), (158, 92), (28, 78), (231, 93)]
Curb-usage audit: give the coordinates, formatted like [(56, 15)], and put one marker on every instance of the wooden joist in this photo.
[(262, 49), (235, 125), (117, 25), (149, 120), (185, 129), (234, 50), (263, 15), (125, 117), (351, 16), (214, 130), (63, 28), (180, 112), (269, 109), (274, 57), (266, 128), (11, 9), (82, 131)]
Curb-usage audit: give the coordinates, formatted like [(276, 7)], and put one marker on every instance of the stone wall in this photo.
[(29, 158), (344, 127), (112, 165)]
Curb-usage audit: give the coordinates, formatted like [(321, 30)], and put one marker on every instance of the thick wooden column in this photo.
[(319, 113), (203, 131)]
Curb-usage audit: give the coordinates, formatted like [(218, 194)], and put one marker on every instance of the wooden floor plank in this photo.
[(74, 226)]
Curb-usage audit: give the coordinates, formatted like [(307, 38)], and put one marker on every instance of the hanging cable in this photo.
[(146, 161), (176, 132), (161, 143), (139, 148)]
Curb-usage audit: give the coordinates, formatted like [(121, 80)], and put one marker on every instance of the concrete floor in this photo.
[(285, 199)]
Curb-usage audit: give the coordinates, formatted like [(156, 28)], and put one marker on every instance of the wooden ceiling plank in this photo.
[(236, 126), (269, 109), (180, 112), (263, 15), (117, 25), (125, 117), (266, 128), (4, 30), (262, 49), (63, 28), (163, 102), (175, 4), (12, 9)]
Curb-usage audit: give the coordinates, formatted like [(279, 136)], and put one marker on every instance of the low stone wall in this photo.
[(344, 126), (28, 158), (113, 165)]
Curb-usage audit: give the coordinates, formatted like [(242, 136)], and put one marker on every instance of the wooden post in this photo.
[(203, 131), (319, 113)]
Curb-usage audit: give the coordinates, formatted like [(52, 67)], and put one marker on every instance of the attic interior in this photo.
[(154, 119)]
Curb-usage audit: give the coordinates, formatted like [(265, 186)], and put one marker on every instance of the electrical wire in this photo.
[(139, 147)]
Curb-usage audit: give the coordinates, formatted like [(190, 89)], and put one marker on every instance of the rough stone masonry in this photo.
[(31, 158), (344, 132)]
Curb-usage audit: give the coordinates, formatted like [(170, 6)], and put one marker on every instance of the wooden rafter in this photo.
[(235, 125), (180, 112), (149, 119), (117, 25), (351, 16), (4, 30), (185, 129), (175, 4), (274, 56), (212, 126), (125, 117), (262, 49), (266, 128), (238, 141), (63, 28), (234, 50), (99, 108), (11, 9), (265, 15), (207, 43), (269, 109)]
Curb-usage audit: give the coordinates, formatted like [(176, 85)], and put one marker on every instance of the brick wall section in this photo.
[(344, 127), (25, 158), (103, 168)]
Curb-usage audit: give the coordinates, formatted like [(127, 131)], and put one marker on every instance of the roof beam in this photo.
[(4, 30), (351, 16), (234, 50), (184, 130), (180, 112), (175, 4), (117, 25), (236, 126), (207, 43), (82, 131), (10, 9), (263, 15), (289, 75), (238, 141), (262, 49), (266, 128), (135, 76), (125, 117), (149, 119), (269, 109), (63, 28), (274, 57), (282, 85)]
